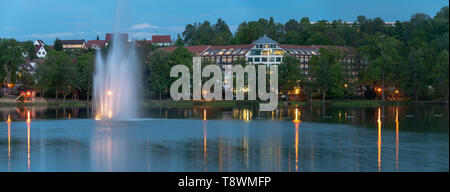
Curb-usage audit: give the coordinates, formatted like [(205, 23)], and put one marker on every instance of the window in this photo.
[(278, 59), (257, 59), (272, 59), (250, 59), (264, 59)]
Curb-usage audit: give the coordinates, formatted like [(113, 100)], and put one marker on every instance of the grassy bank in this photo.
[(48, 103)]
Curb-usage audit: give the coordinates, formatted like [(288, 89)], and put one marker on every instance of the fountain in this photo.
[(115, 81)]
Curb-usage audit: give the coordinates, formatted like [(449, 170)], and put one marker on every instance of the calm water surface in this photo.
[(306, 138)]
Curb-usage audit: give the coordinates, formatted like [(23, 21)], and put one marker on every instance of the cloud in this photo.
[(9, 28), (54, 35), (141, 35), (143, 26)]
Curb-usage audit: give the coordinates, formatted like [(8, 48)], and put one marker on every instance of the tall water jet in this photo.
[(115, 81)]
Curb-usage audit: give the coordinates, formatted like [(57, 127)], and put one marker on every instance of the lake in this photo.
[(293, 139)]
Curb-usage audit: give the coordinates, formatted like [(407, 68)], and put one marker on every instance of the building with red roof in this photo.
[(161, 40), (96, 44)]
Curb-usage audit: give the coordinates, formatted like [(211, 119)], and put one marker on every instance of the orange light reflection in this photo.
[(396, 138), (379, 139)]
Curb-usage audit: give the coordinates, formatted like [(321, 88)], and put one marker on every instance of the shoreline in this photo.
[(232, 103)]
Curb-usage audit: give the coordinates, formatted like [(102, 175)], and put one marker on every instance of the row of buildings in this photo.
[(269, 52), (157, 40), (262, 51)]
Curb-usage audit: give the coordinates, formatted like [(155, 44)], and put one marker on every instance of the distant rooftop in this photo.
[(72, 42), (265, 40), (161, 39)]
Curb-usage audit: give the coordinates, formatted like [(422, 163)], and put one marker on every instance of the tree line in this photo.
[(410, 56)]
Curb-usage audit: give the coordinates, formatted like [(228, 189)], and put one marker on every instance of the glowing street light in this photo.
[(345, 85), (109, 93), (379, 89), (396, 91)]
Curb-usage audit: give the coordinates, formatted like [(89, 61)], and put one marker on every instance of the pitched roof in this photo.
[(38, 47), (40, 42), (227, 50), (265, 40), (72, 42), (109, 36), (194, 49), (143, 42), (161, 39), (98, 43)]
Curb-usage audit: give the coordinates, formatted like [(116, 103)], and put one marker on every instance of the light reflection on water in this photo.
[(297, 138)]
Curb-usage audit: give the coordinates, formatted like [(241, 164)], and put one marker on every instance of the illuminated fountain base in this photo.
[(115, 82)]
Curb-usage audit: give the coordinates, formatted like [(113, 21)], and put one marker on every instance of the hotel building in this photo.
[(269, 52)]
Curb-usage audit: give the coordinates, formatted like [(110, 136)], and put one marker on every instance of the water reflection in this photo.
[(396, 138), (296, 122), (379, 139), (247, 141), (9, 142), (204, 144), (28, 141)]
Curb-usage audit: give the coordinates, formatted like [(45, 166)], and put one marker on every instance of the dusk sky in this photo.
[(85, 19)]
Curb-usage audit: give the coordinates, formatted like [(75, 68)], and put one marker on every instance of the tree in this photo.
[(27, 79), (57, 45), (222, 33), (440, 76), (382, 54), (30, 50), (43, 75), (291, 25), (181, 55), (10, 58), (289, 75), (62, 71), (158, 73), (85, 69), (318, 39), (326, 71), (416, 71), (179, 41)]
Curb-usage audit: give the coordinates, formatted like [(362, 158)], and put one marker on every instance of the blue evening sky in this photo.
[(85, 19)]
